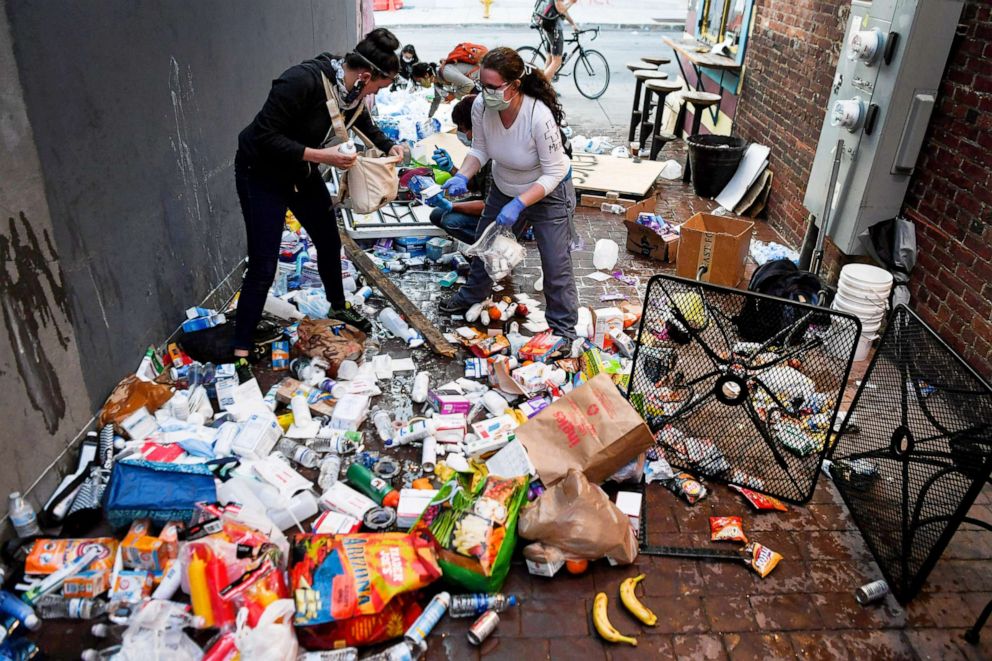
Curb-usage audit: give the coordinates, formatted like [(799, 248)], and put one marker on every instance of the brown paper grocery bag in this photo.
[(592, 429)]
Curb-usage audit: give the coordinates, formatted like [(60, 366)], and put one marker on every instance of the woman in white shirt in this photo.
[(515, 123)]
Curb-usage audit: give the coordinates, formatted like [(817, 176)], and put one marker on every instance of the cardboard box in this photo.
[(646, 242), (717, 244)]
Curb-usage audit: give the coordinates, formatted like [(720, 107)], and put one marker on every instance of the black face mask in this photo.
[(353, 93)]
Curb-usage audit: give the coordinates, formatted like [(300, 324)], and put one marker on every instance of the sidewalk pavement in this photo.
[(644, 14)]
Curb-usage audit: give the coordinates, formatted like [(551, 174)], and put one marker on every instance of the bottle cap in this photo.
[(391, 499)]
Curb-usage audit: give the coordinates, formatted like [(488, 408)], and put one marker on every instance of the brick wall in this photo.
[(790, 63)]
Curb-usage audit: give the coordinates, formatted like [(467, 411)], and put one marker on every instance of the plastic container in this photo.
[(420, 383), (866, 275), (301, 507), (395, 325), (604, 256), (713, 160), (347, 370)]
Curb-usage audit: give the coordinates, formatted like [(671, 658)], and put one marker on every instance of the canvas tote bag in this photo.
[(372, 182)]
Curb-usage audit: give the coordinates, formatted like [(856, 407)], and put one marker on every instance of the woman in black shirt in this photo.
[(276, 168)]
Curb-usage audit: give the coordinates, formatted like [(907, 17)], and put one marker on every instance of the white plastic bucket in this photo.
[(868, 276), (860, 291), (859, 308), (864, 346), (866, 313)]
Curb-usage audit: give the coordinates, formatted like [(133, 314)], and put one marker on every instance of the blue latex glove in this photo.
[(509, 214), (457, 185), (442, 159), (440, 202)]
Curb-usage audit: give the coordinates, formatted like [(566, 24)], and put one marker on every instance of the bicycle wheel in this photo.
[(532, 56), (591, 73)]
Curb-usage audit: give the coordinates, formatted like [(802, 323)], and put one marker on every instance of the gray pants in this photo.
[(551, 219)]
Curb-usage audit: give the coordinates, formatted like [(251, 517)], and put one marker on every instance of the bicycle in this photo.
[(591, 71)]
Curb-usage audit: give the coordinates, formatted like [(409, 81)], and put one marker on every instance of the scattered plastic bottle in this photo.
[(348, 147), (383, 425), (105, 630), (330, 468), (401, 651), (96, 655), (470, 605), (22, 516), (395, 324), (54, 607), (608, 207), (420, 384), (298, 453)]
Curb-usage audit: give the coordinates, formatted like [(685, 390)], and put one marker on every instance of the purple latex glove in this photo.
[(457, 185), (509, 214)]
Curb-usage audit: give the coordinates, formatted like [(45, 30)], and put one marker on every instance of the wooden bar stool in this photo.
[(700, 101), (661, 88), (635, 111), (643, 76), (656, 60)]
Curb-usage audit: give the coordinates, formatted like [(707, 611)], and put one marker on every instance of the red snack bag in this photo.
[(760, 501), (727, 529), (398, 615)]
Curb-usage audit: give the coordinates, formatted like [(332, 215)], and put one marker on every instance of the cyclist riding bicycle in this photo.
[(549, 14)]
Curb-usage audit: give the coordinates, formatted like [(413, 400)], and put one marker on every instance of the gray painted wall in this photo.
[(119, 120)]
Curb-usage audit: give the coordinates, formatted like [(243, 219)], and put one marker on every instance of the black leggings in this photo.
[(264, 203)]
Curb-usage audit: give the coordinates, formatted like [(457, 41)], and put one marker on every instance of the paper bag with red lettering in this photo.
[(592, 429)]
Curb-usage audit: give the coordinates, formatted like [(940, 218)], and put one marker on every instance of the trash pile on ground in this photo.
[(359, 499)]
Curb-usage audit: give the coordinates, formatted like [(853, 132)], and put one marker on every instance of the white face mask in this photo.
[(494, 100), (408, 58)]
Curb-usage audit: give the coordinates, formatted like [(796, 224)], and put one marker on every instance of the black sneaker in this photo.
[(348, 315), (452, 306)]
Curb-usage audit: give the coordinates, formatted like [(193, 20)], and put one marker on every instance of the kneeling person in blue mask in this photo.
[(459, 219)]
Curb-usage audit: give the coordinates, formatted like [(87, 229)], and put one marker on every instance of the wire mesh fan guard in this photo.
[(738, 386), (923, 452)]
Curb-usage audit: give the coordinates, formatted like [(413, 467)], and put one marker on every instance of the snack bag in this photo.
[(760, 501), (256, 589), (475, 529), (335, 577), (360, 630), (763, 559), (727, 529), (687, 486)]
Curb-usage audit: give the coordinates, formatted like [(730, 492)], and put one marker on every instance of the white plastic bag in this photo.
[(273, 638), (499, 251)]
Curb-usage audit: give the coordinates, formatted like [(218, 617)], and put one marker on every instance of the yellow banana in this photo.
[(633, 604), (602, 622)]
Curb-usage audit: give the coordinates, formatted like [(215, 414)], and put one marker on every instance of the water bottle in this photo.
[(607, 207), (301, 454), (348, 147), (104, 630), (383, 425), (395, 325), (330, 468), (54, 607), (22, 516), (470, 605)]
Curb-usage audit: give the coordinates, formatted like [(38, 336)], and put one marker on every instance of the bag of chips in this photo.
[(335, 577), (727, 529), (760, 501)]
